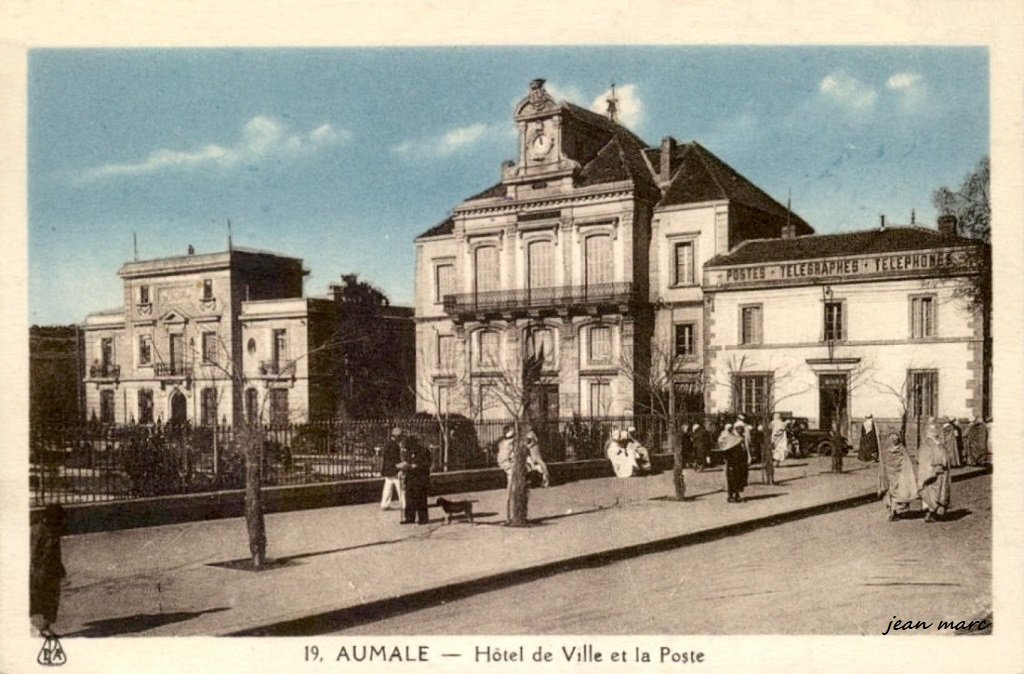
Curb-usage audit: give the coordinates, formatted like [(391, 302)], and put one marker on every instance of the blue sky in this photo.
[(343, 156)]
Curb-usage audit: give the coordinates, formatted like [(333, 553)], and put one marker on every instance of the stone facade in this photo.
[(843, 326), (591, 245), (222, 337)]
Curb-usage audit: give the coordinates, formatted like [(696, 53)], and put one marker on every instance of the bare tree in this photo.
[(443, 389), (765, 410), (657, 386)]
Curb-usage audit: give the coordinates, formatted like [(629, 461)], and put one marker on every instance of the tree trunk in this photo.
[(518, 489), (677, 475), (767, 456), (255, 526), (837, 452)]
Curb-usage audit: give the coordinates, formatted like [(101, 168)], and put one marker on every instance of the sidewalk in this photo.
[(346, 564)]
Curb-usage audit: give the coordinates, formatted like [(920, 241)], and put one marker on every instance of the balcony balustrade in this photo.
[(558, 298), (169, 370), (105, 371), (277, 367)]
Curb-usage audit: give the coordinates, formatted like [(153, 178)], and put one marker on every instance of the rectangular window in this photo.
[(145, 350), (923, 392), (488, 349), (444, 281), (487, 275), (489, 402), (209, 347), (598, 266), (922, 317), (600, 397), (208, 404), (446, 351), (143, 294), (207, 289), (145, 406), (444, 394), (751, 393), (279, 406), (686, 345), (834, 322), (540, 263), (750, 324), (177, 350), (683, 264), (600, 344), (280, 346), (106, 352), (106, 406)]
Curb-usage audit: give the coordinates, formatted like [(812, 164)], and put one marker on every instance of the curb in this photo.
[(372, 611)]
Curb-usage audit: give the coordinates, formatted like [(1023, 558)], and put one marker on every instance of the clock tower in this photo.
[(541, 147)]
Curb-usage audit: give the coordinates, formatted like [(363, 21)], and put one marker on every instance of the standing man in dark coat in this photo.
[(46, 567), (416, 468), (699, 440)]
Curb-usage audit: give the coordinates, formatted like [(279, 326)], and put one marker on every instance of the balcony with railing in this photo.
[(526, 300), (277, 367), (104, 371), (172, 371)]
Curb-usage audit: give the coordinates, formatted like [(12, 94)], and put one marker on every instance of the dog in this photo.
[(452, 508)]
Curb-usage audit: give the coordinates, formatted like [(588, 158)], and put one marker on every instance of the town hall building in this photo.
[(628, 264)]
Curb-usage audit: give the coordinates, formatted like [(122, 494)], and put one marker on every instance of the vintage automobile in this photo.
[(808, 440)]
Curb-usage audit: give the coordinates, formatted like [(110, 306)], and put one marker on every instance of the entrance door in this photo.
[(544, 415), (832, 392), (179, 409)]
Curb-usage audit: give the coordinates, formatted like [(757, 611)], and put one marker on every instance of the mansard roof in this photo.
[(865, 242), (699, 175)]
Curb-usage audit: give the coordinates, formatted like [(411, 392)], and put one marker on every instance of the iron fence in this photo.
[(94, 462)]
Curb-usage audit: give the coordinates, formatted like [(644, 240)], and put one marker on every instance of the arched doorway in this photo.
[(179, 408)]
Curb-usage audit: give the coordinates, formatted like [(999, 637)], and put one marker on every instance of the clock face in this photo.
[(540, 146)]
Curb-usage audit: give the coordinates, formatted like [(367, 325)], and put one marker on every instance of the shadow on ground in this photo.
[(140, 622)]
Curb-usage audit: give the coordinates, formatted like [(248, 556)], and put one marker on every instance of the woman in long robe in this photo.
[(976, 442), (736, 465), (897, 484), (780, 439), (933, 475)]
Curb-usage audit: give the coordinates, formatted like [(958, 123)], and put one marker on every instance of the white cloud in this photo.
[(569, 93), (911, 90), (905, 81), (262, 137), (445, 144), (630, 108), (848, 91)]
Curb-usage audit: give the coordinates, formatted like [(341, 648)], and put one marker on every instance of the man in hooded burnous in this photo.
[(897, 483), (933, 474)]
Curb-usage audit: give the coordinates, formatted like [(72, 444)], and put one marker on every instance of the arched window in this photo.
[(542, 340)]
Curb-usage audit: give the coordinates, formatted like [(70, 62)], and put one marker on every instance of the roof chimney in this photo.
[(947, 224), (788, 231), (881, 222), (668, 148)]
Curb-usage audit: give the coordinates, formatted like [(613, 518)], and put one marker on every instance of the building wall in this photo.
[(876, 354)]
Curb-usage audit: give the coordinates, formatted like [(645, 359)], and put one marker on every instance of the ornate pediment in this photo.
[(174, 317), (537, 102)]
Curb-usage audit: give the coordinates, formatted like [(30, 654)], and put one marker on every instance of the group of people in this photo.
[(900, 483), (405, 467), (628, 455)]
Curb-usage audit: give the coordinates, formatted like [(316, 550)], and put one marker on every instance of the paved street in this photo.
[(846, 572)]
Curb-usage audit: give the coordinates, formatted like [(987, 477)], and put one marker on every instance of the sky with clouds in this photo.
[(343, 156)]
